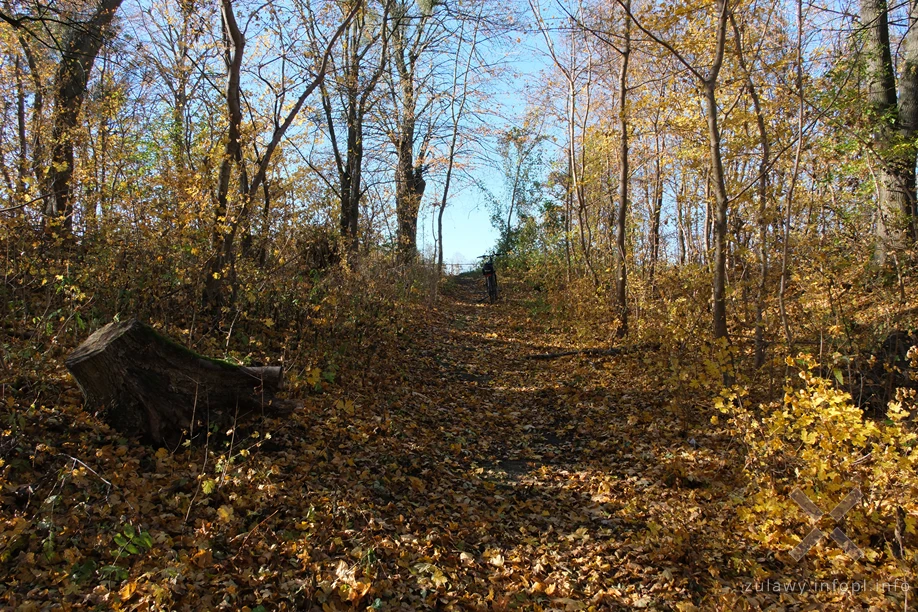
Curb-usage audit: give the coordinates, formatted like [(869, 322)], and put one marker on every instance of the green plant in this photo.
[(131, 542)]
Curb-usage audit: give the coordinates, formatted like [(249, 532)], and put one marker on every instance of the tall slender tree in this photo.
[(348, 95), (226, 228), (412, 34), (894, 121), (708, 79)]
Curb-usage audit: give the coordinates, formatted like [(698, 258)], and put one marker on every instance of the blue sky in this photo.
[(467, 229)]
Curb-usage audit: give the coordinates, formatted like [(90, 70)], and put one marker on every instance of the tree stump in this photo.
[(149, 386)]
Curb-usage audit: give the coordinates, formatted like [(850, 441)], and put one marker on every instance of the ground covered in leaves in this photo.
[(448, 471)]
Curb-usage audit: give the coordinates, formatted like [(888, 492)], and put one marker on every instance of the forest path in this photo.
[(515, 482), (519, 407)]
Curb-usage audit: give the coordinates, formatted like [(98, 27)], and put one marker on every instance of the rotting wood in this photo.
[(146, 385)]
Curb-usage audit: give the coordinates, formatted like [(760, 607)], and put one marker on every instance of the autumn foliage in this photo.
[(704, 339)]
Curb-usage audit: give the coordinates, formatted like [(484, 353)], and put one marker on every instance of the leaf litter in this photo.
[(450, 473)]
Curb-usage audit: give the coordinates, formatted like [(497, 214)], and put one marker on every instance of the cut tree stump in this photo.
[(149, 386)]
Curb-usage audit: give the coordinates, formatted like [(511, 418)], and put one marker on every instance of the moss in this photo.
[(158, 337)]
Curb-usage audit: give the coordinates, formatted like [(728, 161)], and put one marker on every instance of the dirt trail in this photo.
[(521, 408), (520, 482), (440, 470)]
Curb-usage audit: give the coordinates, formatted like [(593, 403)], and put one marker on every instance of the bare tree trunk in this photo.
[(681, 224), (37, 111), (576, 184), (357, 89), (410, 183), (785, 255), (708, 218), (352, 185), (568, 211), (908, 122), (22, 158), (720, 215), (573, 193), (720, 183), (895, 125), (621, 279), (232, 156), (225, 228), (762, 196), (81, 45), (181, 146), (409, 190), (657, 202)]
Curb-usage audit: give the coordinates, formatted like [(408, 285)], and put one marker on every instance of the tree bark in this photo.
[(37, 110), (410, 168), (709, 87), (895, 122), (656, 207), (232, 156), (356, 87), (81, 45), (409, 189), (621, 277), (147, 385), (22, 158)]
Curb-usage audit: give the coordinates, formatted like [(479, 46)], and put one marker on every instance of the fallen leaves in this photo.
[(225, 513), (451, 474)]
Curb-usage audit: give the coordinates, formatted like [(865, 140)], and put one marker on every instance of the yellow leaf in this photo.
[(569, 604), (225, 513), (128, 590), (438, 578), (357, 591), (346, 405)]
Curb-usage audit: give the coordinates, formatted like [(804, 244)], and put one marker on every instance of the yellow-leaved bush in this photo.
[(817, 440)]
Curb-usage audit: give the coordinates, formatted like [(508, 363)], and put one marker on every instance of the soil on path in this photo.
[(489, 481)]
